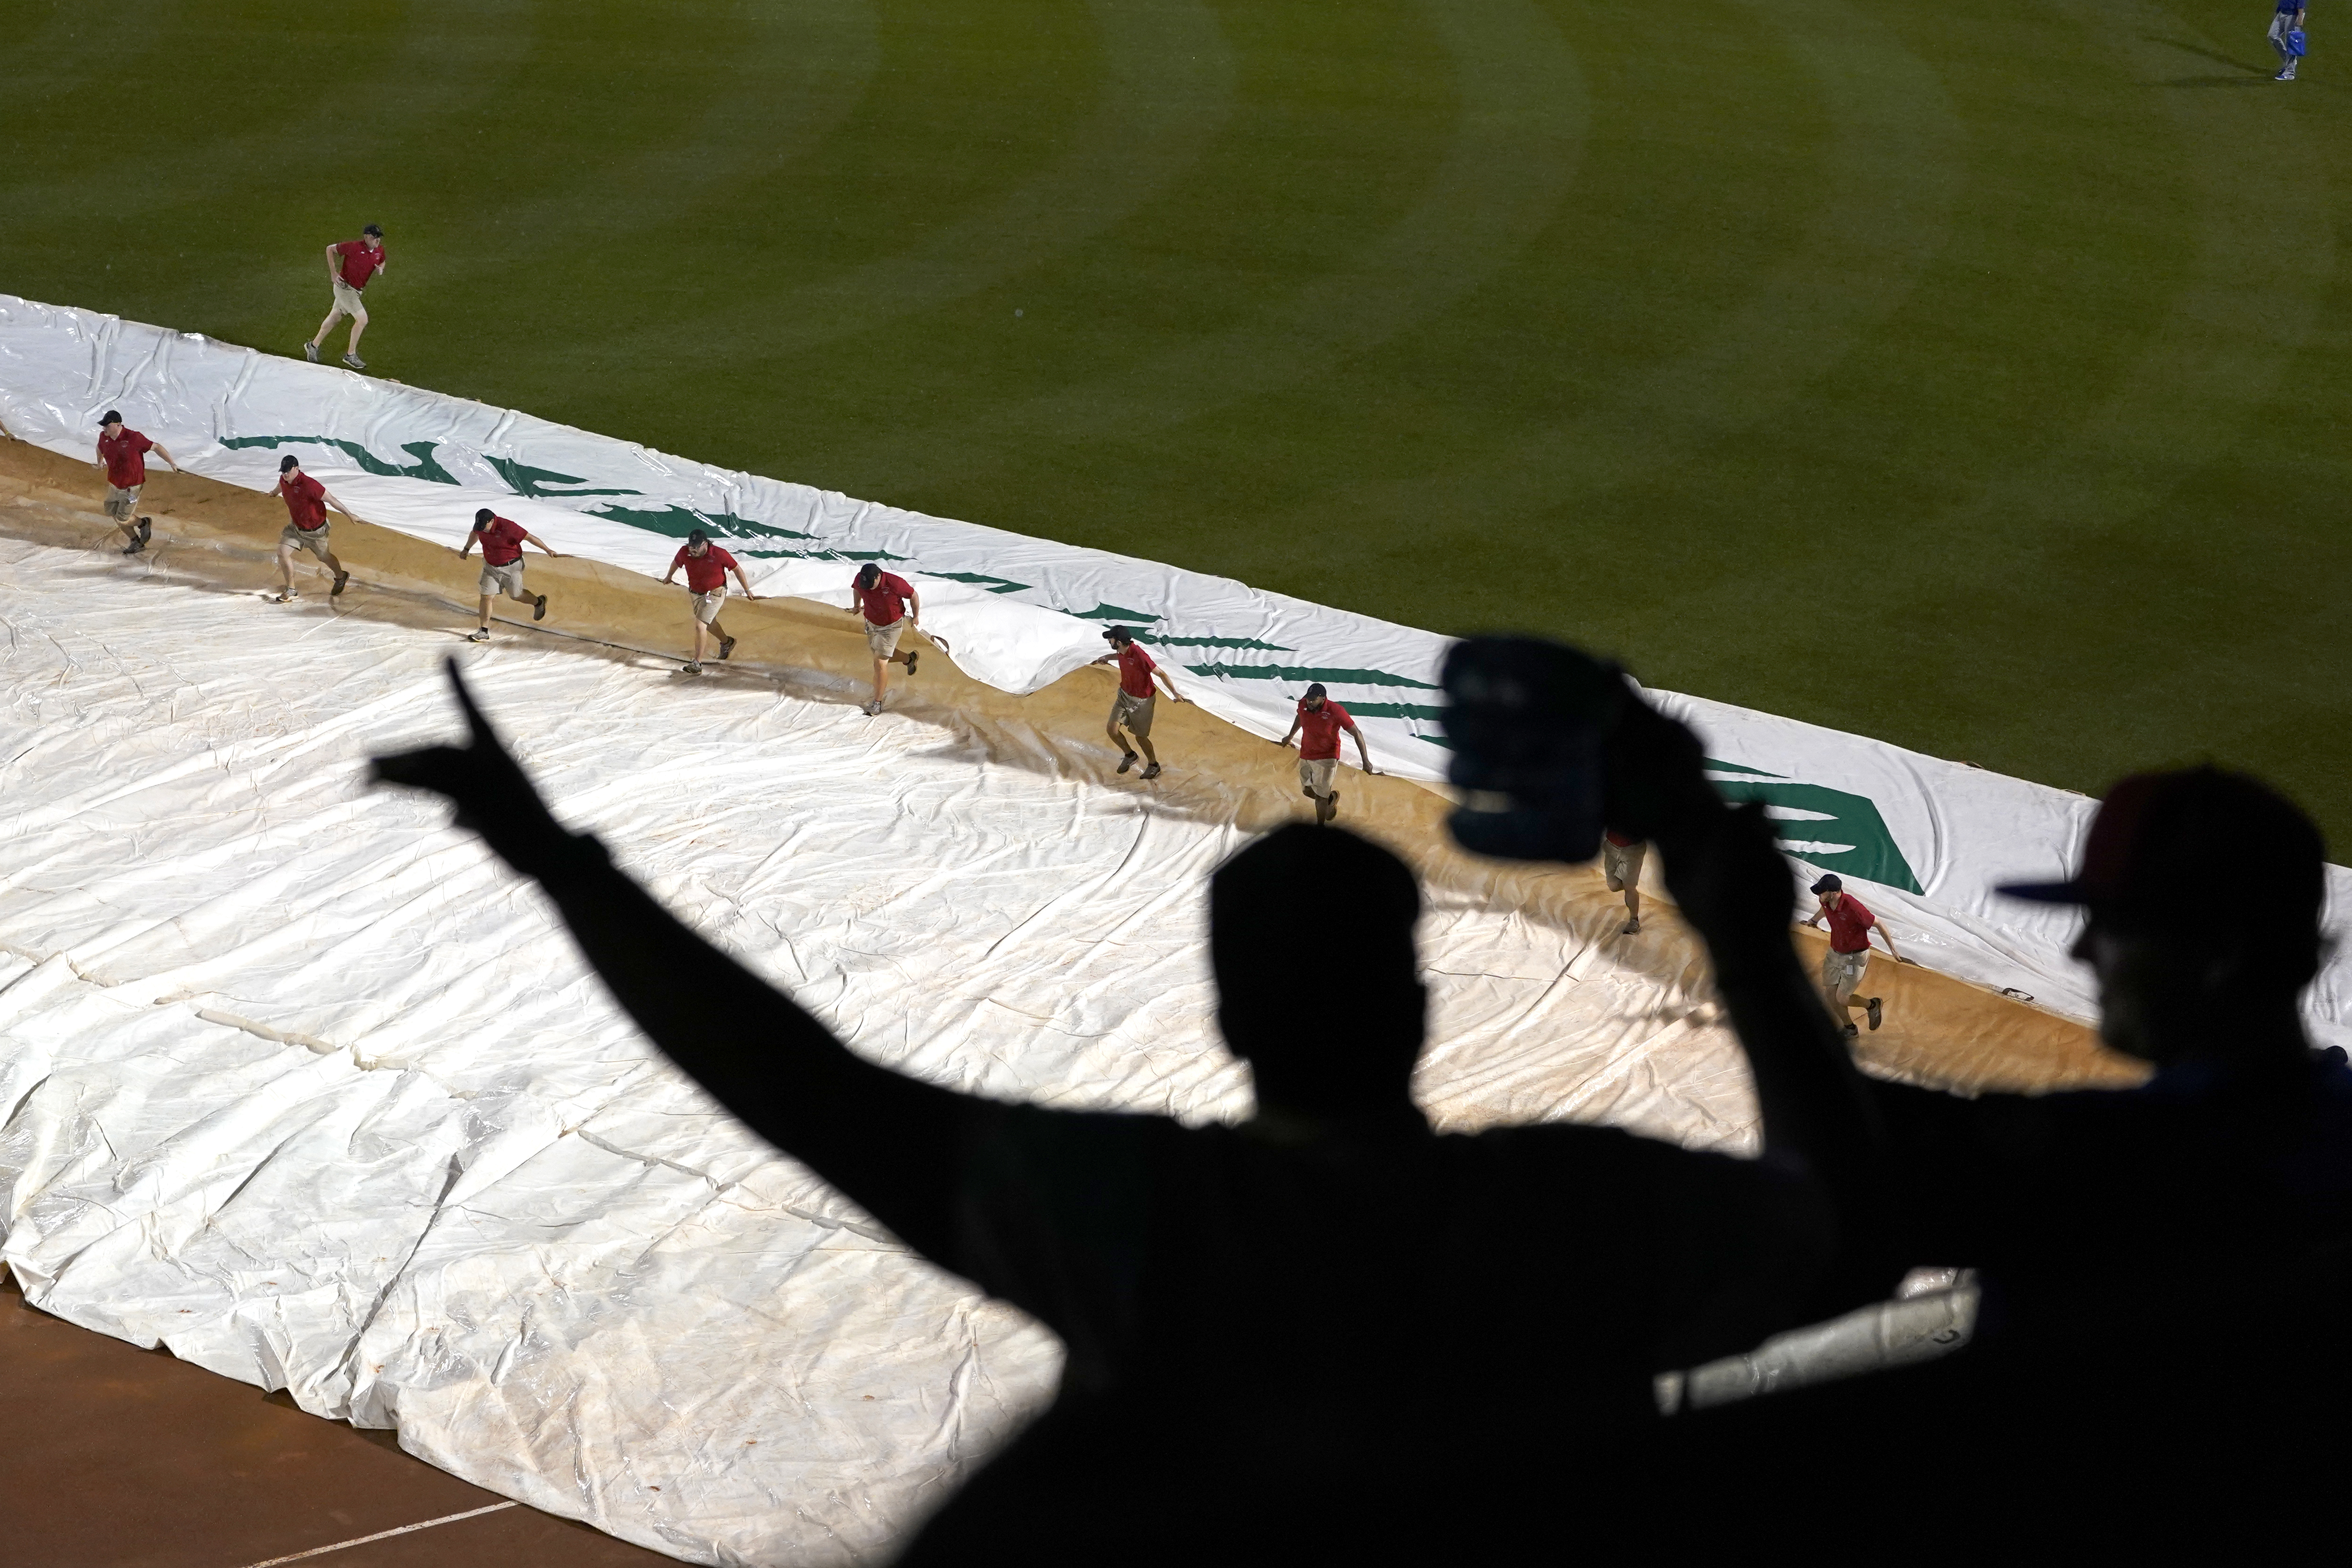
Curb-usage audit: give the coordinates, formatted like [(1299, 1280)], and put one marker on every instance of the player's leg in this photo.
[(285, 568), (342, 578), (482, 632), (334, 314), (359, 325), (1111, 728)]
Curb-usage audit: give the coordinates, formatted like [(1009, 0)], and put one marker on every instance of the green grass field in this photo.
[(1971, 375)]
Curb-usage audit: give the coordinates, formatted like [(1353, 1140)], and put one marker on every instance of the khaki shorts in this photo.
[(1132, 713), (1621, 864), (707, 605), (506, 579), (1315, 778), (313, 540), (884, 640), (347, 300), (1841, 972), (120, 504)]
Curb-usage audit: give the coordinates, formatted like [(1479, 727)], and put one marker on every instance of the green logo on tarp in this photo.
[(1830, 817)]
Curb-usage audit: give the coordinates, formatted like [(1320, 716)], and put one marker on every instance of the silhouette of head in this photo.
[(1310, 933), (2204, 890), (483, 518), (868, 575)]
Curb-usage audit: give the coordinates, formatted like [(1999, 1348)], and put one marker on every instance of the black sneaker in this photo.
[(538, 611), (1850, 1031), (134, 547), (1126, 762), (146, 529), (725, 647), (1152, 772), (310, 352), (336, 592), (912, 657), (1874, 1002)]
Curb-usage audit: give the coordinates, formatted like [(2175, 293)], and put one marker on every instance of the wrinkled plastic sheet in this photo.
[(300, 1083), (1924, 840)]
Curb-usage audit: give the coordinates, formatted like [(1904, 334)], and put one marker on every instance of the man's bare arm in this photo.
[(1362, 755)]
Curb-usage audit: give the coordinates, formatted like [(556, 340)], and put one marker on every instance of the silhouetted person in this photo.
[(2164, 1268), (1327, 1333)]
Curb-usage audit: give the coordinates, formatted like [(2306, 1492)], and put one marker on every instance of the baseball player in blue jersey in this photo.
[(2287, 19)]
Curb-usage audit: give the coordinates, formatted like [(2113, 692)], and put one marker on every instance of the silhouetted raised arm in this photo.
[(1727, 873), (890, 1141)]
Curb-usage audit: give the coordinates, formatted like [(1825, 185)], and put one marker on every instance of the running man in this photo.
[(350, 264), (306, 529), (1317, 724), (2287, 19), (503, 541), (707, 566), (1850, 928), (1132, 707), (885, 600), (1621, 862), (122, 453)]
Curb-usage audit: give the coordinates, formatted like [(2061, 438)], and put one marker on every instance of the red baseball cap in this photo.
[(2162, 842)]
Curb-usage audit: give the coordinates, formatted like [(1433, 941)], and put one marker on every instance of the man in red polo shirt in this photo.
[(1137, 694), (883, 599), (1317, 724), (306, 528), (122, 453), (1850, 928), (350, 264), (707, 566), (503, 541)]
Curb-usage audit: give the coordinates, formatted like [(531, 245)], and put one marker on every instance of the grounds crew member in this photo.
[(2287, 19), (1131, 708), (306, 528), (1317, 724), (122, 453), (350, 264), (1621, 862), (1850, 927), (885, 600), (707, 566), (503, 541)]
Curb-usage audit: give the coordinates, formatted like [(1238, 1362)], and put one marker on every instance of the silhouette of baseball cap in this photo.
[(2164, 845), (1119, 636), (112, 417)]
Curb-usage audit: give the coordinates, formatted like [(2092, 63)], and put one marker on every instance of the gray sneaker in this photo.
[(146, 529), (355, 362), (874, 709), (690, 667), (310, 352), (481, 634)]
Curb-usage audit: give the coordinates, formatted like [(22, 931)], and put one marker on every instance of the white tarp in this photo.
[(298, 1081), (1930, 839)]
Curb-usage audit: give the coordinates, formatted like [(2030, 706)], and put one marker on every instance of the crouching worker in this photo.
[(1283, 1335), (502, 540)]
